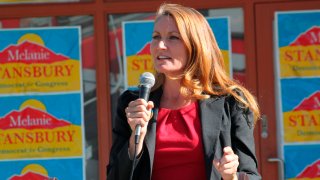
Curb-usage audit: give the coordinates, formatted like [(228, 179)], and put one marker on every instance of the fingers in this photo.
[(137, 105), (139, 112), (228, 155), (232, 162), (228, 164), (228, 150), (139, 109), (150, 105), (216, 163)]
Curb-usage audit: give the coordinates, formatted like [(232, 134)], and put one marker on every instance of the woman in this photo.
[(202, 127)]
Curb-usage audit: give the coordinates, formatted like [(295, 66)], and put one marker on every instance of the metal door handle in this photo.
[(281, 166), (264, 126)]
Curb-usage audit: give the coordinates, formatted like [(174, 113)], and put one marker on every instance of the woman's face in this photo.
[(168, 51)]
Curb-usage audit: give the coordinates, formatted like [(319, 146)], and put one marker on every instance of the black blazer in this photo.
[(223, 123)]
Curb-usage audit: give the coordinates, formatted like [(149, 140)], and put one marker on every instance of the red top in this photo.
[(179, 151)]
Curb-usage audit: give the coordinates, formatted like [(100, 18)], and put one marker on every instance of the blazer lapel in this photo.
[(211, 111), (150, 139)]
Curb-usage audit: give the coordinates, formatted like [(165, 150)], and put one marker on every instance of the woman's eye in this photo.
[(173, 37), (156, 37)]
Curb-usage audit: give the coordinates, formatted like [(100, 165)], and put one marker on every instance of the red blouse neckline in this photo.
[(181, 109)]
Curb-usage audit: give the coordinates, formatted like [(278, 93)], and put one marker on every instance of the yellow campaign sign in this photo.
[(300, 61), (30, 64), (226, 58), (297, 48), (40, 77), (136, 65), (301, 126), (57, 142), (33, 132), (41, 104)]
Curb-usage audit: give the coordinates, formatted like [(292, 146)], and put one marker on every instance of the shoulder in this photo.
[(232, 101), (127, 96), (131, 95), (237, 110)]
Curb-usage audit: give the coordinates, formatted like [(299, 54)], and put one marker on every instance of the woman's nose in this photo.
[(162, 45)]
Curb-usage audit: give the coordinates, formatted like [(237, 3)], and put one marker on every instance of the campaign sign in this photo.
[(40, 60), (39, 127), (299, 44), (55, 169), (302, 162), (301, 109), (221, 29), (137, 36), (302, 122), (298, 84)]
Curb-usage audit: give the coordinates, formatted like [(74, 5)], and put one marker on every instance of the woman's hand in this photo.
[(228, 164), (138, 112)]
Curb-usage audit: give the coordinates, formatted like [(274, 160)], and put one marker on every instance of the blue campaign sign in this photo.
[(302, 162), (41, 104), (63, 40), (292, 95), (62, 106), (136, 35), (293, 24), (42, 169), (46, 127), (221, 30), (40, 60), (298, 72)]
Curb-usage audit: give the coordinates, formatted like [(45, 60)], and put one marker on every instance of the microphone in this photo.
[(147, 81)]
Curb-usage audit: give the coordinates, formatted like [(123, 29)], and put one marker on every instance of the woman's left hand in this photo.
[(228, 164)]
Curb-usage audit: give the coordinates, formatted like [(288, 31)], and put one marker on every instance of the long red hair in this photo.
[(204, 74)]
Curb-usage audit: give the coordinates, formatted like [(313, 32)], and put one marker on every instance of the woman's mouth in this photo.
[(163, 57)]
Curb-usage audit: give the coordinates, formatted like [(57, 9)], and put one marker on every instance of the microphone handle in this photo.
[(143, 94), (137, 134)]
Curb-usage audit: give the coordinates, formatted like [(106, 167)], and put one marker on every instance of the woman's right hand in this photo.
[(138, 112)]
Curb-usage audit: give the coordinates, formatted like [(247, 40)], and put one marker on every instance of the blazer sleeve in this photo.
[(242, 139), (119, 166)]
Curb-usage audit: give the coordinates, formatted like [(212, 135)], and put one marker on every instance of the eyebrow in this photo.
[(171, 32)]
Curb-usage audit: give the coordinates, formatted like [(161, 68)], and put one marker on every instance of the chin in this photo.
[(160, 69), (166, 70)]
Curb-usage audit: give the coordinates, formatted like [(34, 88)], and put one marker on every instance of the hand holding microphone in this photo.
[(138, 115), (139, 111)]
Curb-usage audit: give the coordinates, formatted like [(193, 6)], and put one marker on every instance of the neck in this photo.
[(171, 97), (171, 89)]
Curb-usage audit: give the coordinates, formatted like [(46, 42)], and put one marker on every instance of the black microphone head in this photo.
[(147, 79)]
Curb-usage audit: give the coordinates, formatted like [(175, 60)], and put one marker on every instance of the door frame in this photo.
[(264, 35)]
